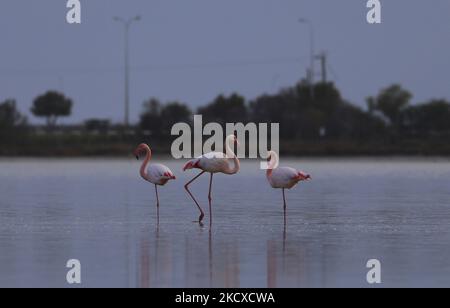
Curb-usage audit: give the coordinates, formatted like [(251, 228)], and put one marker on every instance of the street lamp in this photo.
[(127, 24), (312, 52)]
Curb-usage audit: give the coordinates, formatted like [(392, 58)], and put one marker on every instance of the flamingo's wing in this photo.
[(214, 162), (283, 176), (159, 172), (205, 161)]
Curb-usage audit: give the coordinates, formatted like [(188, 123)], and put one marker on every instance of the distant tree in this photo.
[(223, 109), (9, 115), (391, 102), (321, 116), (158, 118), (173, 113), (150, 119), (300, 114), (267, 108), (350, 122), (52, 105), (11, 120), (429, 118)]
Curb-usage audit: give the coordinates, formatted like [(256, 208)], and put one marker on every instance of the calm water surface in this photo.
[(102, 213)]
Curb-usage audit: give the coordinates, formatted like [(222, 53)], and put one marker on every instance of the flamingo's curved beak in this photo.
[(136, 153)]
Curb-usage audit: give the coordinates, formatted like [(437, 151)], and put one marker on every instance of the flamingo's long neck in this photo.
[(143, 171), (274, 160), (230, 154)]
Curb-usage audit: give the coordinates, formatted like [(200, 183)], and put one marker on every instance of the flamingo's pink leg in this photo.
[(157, 196), (210, 199), (202, 215), (284, 206), (157, 202)]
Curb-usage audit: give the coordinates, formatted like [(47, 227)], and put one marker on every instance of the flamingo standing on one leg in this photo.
[(156, 174), (283, 177), (214, 162)]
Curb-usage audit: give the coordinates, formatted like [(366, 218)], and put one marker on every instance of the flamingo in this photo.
[(157, 174), (283, 177), (213, 162)]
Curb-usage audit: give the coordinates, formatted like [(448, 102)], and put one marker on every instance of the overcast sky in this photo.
[(193, 50)]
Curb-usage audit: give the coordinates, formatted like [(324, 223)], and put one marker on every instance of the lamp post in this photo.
[(127, 24)]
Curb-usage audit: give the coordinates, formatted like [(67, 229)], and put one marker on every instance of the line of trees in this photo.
[(315, 114), (306, 114)]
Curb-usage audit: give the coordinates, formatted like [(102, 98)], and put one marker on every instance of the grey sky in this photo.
[(193, 50)]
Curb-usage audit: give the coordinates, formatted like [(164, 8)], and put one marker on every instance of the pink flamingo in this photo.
[(156, 174), (214, 162), (283, 177)]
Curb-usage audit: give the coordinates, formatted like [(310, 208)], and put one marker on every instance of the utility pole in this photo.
[(322, 57), (127, 25)]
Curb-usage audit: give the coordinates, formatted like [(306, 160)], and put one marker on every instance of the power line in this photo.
[(146, 68), (237, 64)]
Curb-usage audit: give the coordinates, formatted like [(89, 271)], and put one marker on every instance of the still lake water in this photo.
[(102, 213)]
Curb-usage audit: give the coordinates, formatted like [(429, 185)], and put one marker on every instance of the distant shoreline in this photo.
[(168, 156), (91, 146), (286, 159)]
